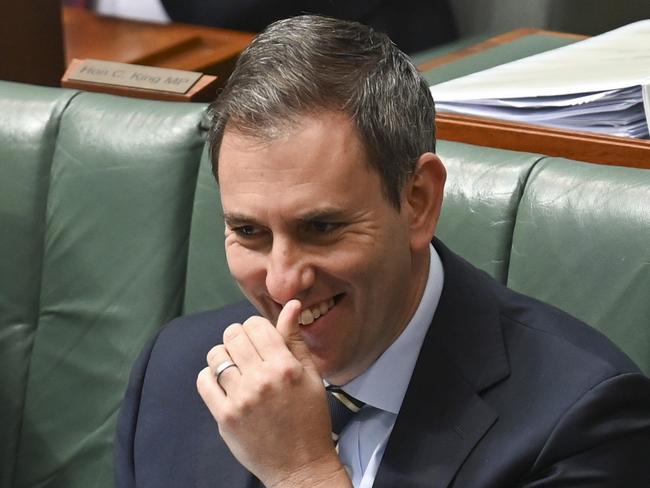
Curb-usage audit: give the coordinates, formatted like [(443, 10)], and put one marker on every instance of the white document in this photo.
[(598, 85), (616, 59)]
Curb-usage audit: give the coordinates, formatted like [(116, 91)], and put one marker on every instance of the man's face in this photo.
[(306, 218)]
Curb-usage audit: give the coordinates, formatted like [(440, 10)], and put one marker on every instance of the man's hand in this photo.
[(272, 409)]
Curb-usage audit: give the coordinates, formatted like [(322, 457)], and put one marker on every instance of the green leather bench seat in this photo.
[(582, 243), (209, 284), (110, 226), (482, 196), (116, 225), (29, 123), (96, 204)]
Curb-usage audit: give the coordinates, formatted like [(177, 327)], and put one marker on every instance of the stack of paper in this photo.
[(601, 84)]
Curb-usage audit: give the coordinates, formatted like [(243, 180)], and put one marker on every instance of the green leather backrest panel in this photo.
[(481, 200), (209, 284), (29, 122), (582, 243), (119, 207)]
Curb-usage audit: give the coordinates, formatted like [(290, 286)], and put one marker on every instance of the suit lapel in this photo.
[(434, 432), (443, 417)]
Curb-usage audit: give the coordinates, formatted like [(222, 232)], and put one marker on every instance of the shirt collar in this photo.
[(383, 385)]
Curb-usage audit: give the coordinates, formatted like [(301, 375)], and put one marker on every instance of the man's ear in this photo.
[(422, 199)]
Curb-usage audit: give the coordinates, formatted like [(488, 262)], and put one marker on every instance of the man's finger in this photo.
[(211, 393), (240, 348), (219, 362), (290, 329), (270, 344)]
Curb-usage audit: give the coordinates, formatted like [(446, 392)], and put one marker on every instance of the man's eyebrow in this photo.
[(325, 213), (234, 218)]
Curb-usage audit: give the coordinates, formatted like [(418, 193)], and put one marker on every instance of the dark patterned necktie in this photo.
[(342, 408)]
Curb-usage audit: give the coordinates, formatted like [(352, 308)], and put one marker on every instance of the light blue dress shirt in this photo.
[(382, 387)]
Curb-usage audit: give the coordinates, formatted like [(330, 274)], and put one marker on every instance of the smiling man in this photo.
[(323, 146), (306, 218)]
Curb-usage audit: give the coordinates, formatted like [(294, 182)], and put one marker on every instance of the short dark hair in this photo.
[(306, 64)]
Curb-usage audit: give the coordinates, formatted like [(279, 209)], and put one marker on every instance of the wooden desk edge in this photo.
[(582, 146), (232, 42)]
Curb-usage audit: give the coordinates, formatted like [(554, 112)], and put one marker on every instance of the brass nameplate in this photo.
[(134, 76)]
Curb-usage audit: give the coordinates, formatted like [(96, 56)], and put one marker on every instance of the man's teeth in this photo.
[(308, 315)]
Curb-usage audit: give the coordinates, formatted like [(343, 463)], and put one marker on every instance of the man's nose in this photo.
[(289, 273)]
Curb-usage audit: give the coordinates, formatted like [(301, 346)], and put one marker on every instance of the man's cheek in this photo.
[(250, 276), (242, 265)]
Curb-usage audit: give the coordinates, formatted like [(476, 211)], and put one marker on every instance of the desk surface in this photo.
[(179, 46), (582, 146)]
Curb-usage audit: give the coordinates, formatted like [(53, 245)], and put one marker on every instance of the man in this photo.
[(323, 146)]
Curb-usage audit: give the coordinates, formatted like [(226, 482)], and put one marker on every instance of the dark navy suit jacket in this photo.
[(507, 392)]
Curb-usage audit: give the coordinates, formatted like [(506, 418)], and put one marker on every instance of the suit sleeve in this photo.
[(127, 422), (602, 441)]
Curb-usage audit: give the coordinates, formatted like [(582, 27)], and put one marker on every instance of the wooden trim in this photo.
[(582, 146)]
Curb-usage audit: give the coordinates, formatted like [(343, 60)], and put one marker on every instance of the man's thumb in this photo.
[(289, 328)]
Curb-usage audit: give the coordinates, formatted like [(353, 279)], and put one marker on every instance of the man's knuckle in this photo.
[(214, 353), (265, 387), (245, 405), (290, 373), (231, 332), (252, 322), (228, 417)]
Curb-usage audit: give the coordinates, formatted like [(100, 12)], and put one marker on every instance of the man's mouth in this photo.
[(313, 313)]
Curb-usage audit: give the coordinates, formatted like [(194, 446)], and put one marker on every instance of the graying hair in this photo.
[(307, 64)]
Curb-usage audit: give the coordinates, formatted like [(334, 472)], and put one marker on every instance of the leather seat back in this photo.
[(581, 242), (480, 205), (96, 200), (28, 130)]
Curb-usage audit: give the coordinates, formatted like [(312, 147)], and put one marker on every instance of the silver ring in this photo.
[(221, 368)]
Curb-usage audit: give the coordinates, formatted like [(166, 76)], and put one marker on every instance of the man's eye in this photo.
[(246, 231), (324, 227)]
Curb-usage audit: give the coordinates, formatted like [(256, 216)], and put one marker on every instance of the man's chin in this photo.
[(334, 375)]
